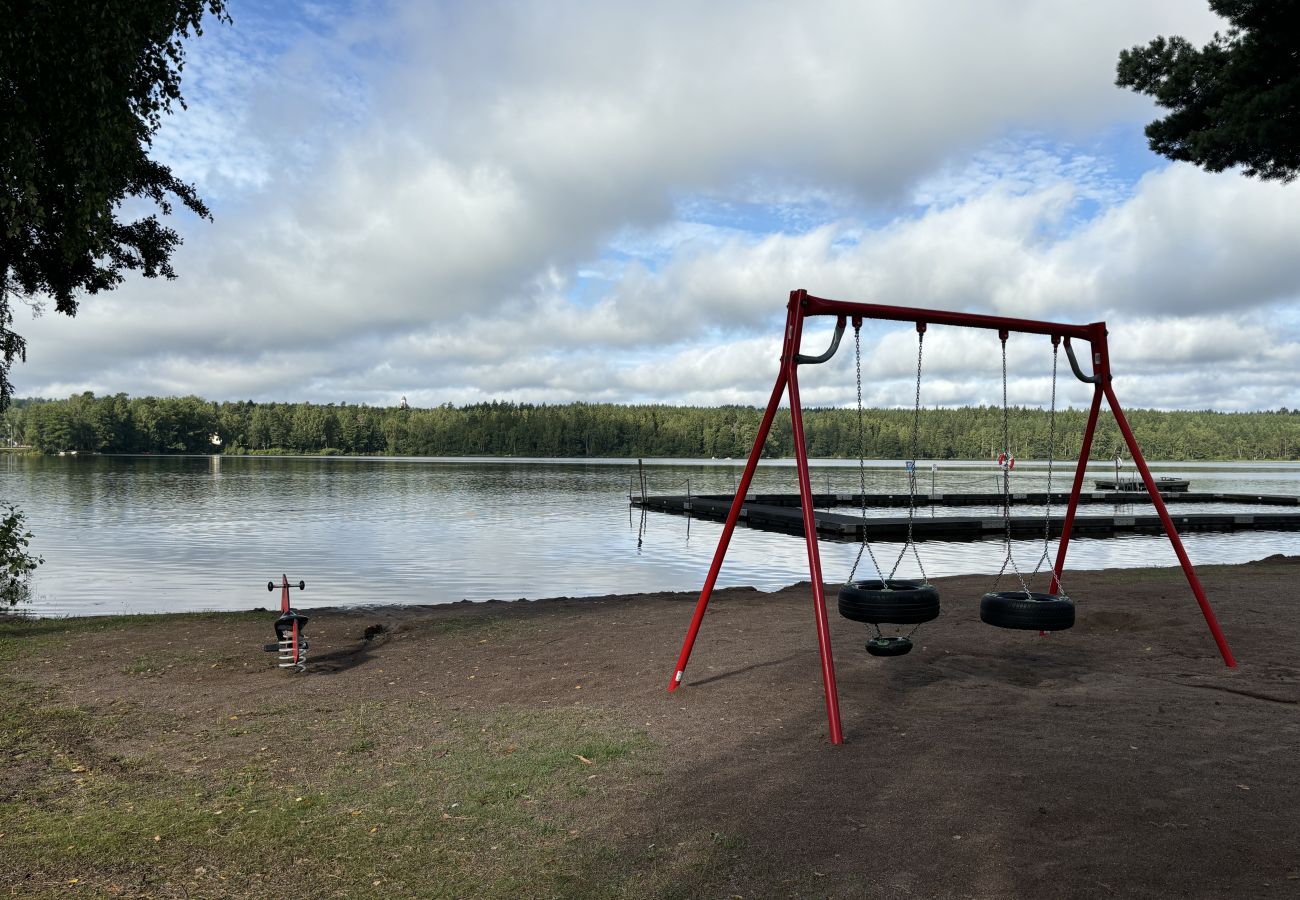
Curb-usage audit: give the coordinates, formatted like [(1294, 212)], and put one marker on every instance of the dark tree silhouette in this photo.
[(84, 85), (1235, 101)]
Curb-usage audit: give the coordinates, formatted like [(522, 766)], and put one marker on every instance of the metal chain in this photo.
[(1006, 481), (862, 462), (1051, 459), (916, 405), (911, 480), (911, 466)]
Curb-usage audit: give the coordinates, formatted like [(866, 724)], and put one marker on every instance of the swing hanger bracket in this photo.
[(804, 359), (1074, 363)]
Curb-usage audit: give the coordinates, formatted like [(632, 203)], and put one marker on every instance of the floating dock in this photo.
[(781, 512)]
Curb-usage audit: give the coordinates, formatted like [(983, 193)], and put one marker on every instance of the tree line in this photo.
[(122, 424)]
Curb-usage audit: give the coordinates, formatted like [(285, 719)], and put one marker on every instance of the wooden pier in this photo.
[(781, 512)]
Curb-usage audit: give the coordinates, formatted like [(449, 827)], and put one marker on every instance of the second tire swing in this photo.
[(1025, 609)]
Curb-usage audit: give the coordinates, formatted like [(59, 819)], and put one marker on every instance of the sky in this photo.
[(561, 201)]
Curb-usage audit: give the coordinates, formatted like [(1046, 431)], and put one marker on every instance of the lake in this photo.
[(128, 534)]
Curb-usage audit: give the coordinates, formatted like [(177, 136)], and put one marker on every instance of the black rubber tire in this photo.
[(889, 646), (895, 602), (1027, 612)]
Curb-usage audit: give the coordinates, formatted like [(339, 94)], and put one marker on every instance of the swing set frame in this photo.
[(803, 306)]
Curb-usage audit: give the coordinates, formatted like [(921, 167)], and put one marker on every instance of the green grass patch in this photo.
[(16, 631), (494, 804), (484, 811), (360, 797)]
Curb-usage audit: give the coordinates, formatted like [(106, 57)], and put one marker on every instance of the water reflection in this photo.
[(141, 534)]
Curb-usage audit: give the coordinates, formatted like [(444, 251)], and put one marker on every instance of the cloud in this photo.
[(557, 201)]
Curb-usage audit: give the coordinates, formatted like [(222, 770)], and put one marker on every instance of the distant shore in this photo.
[(122, 424)]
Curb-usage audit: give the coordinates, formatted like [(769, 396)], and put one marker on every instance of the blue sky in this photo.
[(563, 201)]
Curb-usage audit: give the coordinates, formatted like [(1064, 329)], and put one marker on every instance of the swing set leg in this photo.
[(1079, 471), (1103, 387), (814, 564), (724, 541), (1170, 530), (787, 378)]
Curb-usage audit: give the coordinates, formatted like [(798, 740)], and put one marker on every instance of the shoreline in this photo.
[(1143, 573)]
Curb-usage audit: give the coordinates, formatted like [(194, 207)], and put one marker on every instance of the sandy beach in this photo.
[(1117, 759)]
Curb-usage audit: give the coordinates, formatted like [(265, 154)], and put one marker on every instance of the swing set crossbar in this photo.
[(802, 306), (818, 306)]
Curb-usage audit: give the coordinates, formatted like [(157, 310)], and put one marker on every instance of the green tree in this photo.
[(84, 85), (16, 563), (185, 425), (233, 424), (46, 427), (1235, 101)]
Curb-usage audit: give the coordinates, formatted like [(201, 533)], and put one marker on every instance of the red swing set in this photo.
[(803, 306)]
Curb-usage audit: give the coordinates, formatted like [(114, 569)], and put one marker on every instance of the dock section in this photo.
[(782, 513)]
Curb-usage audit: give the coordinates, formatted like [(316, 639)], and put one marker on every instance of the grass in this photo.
[(476, 813), (369, 798), (20, 635)]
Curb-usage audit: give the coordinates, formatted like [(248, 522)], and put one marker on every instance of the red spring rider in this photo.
[(289, 628)]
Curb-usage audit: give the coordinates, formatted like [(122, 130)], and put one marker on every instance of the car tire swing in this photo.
[(1024, 609), (1027, 610), (886, 600), (893, 602)]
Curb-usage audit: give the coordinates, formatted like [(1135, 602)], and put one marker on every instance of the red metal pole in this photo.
[(814, 558), (819, 306), (724, 541), (1170, 530), (1079, 473), (284, 608)]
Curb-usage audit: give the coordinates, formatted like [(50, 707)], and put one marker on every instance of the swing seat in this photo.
[(284, 624), (889, 646), (895, 602), (1027, 610)]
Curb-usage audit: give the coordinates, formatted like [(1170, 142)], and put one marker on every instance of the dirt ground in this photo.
[(1118, 759)]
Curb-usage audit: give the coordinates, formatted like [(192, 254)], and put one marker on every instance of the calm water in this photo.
[(147, 534)]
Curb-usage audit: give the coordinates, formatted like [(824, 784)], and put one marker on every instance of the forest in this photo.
[(120, 424)]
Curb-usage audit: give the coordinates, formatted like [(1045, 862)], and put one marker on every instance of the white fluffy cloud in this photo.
[(560, 201)]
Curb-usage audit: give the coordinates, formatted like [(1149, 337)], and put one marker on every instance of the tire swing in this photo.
[(887, 600), (1025, 609)]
